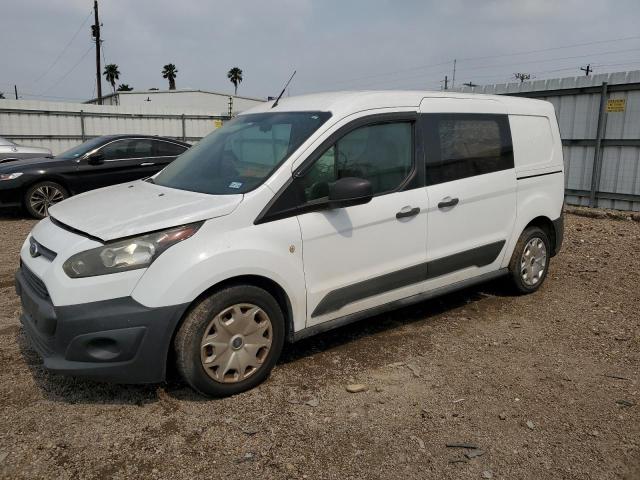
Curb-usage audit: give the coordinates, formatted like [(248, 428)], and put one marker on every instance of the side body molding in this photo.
[(476, 257)]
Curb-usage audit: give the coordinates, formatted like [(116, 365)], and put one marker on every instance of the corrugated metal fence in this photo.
[(599, 119), (59, 126)]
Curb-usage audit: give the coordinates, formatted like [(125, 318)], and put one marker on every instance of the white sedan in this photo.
[(11, 151)]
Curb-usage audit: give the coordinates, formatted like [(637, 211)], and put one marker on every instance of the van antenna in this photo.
[(275, 104)]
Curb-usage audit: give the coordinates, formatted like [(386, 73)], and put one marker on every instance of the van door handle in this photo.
[(408, 213), (147, 164), (448, 202)]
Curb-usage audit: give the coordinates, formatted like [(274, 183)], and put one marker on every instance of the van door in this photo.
[(471, 185), (363, 256)]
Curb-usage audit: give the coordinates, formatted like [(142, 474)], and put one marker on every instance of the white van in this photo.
[(288, 221)]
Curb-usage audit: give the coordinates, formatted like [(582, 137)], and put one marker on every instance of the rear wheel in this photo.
[(41, 196), (530, 260), (230, 341)]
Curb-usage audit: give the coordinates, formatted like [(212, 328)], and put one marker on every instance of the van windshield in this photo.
[(242, 154)]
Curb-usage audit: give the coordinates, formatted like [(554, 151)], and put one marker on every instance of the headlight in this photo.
[(128, 254), (10, 176)]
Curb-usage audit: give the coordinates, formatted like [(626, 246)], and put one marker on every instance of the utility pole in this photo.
[(587, 70), (95, 32), (15, 88), (453, 80)]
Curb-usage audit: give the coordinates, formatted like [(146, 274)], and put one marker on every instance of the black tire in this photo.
[(515, 271), (187, 342), (34, 201)]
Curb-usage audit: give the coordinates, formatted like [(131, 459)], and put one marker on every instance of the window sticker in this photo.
[(235, 184)]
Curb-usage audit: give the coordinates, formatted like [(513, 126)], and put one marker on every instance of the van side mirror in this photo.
[(95, 158), (349, 191)]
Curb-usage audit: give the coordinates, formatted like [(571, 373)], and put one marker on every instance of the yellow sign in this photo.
[(616, 105), (217, 123)]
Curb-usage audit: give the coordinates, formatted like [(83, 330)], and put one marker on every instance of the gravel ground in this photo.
[(546, 386)]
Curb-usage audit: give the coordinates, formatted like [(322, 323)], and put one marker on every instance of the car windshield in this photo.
[(81, 149), (242, 154)]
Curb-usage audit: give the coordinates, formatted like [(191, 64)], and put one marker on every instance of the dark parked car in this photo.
[(38, 183)]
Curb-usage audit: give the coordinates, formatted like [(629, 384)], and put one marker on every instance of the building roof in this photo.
[(345, 103), (181, 90)]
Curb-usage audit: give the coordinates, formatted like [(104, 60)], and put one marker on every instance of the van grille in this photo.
[(34, 282)]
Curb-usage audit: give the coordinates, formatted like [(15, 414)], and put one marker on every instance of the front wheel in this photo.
[(530, 260), (230, 341), (41, 196)]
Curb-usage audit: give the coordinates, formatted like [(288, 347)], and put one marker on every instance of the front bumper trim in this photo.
[(118, 340)]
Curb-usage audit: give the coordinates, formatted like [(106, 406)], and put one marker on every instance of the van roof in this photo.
[(347, 102)]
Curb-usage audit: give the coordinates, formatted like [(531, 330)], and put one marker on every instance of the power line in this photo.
[(64, 49), (465, 72), (552, 48), (421, 67), (420, 81), (392, 73), (611, 52), (68, 72)]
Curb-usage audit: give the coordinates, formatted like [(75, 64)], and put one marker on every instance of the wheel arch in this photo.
[(260, 281), (547, 226), (49, 178)]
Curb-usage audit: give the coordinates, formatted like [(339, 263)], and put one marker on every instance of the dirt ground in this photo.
[(546, 386)]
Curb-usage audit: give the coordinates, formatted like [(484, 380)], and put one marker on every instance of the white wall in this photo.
[(214, 103), (57, 125)]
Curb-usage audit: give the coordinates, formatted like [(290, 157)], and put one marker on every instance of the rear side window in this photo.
[(128, 148), (115, 150), (168, 149), (140, 147), (465, 145)]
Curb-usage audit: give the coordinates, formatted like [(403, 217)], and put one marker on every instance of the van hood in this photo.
[(138, 207)]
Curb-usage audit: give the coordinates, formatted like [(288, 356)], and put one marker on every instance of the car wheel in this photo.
[(230, 341), (530, 260), (41, 196)]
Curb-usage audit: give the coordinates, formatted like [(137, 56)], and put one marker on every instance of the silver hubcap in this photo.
[(533, 261), (236, 343), (43, 197)]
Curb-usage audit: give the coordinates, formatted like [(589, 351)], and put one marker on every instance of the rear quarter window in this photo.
[(168, 149)]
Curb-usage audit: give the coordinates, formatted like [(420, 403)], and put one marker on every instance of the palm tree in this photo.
[(124, 87), (235, 76), (111, 73), (169, 72)]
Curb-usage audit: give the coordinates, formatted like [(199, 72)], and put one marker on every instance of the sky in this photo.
[(46, 48)]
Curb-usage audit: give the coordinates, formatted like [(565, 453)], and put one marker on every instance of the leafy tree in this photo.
[(124, 87), (1, 95), (235, 76), (111, 73), (170, 73)]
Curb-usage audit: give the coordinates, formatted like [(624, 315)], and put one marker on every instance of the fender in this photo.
[(536, 197), (187, 270)]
